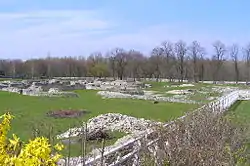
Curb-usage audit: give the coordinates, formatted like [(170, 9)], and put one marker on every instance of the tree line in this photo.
[(172, 60)]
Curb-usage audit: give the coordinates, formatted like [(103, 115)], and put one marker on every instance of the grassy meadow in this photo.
[(240, 116), (240, 112), (30, 112)]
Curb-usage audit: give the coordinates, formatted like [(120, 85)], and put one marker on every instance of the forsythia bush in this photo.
[(37, 152)]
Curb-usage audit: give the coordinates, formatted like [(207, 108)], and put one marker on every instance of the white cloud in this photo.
[(50, 22), (34, 33), (70, 32)]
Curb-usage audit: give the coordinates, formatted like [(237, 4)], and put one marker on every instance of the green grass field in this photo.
[(240, 111), (31, 112), (240, 115)]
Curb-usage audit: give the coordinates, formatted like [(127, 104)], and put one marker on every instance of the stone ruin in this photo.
[(64, 88), (100, 127), (112, 122), (107, 88), (50, 88), (138, 130)]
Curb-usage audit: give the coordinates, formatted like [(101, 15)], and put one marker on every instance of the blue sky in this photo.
[(31, 28)]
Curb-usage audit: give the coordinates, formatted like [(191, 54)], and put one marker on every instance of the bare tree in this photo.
[(48, 62), (201, 69), (32, 68), (112, 64), (234, 51), (196, 53), (156, 60), (246, 53), (135, 62), (147, 68), (4, 66), (121, 58), (169, 59), (95, 58), (181, 51), (97, 66), (218, 58), (13, 68)]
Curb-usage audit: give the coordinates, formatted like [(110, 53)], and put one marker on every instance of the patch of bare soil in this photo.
[(66, 113)]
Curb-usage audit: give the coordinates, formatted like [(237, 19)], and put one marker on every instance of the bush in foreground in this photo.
[(36, 152), (204, 138)]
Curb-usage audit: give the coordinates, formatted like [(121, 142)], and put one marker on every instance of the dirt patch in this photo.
[(97, 135), (67, 113)]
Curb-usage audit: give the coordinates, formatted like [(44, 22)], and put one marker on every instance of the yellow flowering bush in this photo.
[(37, 152)]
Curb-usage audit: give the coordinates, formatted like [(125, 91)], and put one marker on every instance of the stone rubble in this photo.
[(120, 142), (224, 89), (182, 85), (108, 88), (112, 122), (35, 87), (179, 92), (51, 88), (134, 127), (108, 94)]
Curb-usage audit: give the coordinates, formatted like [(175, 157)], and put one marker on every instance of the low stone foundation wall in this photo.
[(107, 94)]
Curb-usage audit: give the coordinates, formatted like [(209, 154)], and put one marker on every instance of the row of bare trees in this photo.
[(170, 60)]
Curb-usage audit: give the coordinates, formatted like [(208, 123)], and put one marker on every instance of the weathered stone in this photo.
[(106, 94), (113, 122)]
